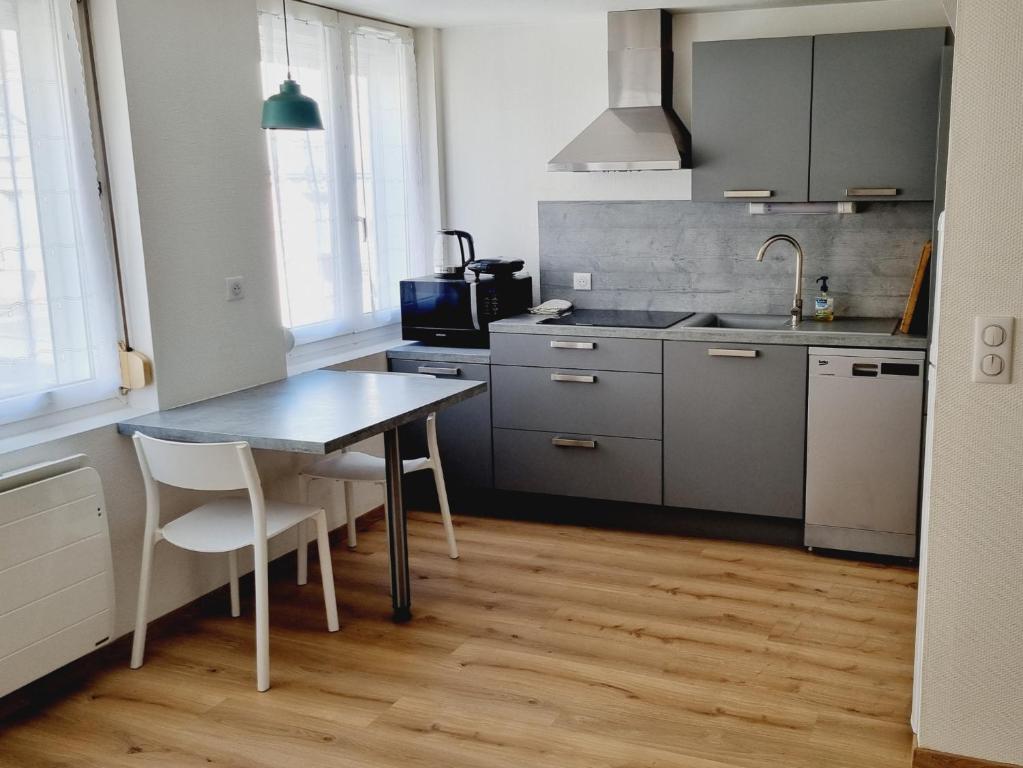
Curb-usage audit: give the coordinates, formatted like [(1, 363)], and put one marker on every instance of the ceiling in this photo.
[(464, 13)]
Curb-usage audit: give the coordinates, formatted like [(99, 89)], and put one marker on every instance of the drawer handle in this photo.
[(871, 192), (733, 193), (574, 378), (564, 442), (573, 345), (733, 352), (436, 371)]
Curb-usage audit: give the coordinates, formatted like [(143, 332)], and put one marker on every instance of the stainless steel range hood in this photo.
[(640, 131)]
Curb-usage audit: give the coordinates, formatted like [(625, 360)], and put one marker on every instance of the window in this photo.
[(57, 306), (348, 199)]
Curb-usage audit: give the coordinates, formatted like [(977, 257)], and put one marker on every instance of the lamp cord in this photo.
[(287, 48)]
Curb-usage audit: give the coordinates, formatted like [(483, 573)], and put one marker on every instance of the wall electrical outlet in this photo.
[(582, 281), (235, 287), (992, 349)]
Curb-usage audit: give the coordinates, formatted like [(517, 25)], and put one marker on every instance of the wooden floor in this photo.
[(544, 646)]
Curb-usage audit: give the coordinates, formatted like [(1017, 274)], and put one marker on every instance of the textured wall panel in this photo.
[(972, 665), (700, 256)]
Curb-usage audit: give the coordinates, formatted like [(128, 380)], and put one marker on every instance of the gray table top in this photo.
[(316, 412)]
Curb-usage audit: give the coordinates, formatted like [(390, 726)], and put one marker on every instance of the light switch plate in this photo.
[(992, 349), (582, 281)]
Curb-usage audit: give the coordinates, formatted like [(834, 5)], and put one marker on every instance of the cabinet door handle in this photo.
[(574, 378), (438, 371), (733, 352), (565, 442), (871, 192), (733, 193), (573, 345)]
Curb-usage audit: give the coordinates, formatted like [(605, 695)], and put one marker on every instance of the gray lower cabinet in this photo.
[(589, 466), (463, 431), (751, 119), (735, 427), (594, 402), (875, 115)]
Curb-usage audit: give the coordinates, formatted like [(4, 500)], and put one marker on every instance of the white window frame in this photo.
[(348, 228), (103, 387)]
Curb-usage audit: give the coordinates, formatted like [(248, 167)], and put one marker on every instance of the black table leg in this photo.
[(397, 532)]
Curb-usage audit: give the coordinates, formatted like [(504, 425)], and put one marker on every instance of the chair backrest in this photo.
[(199, 466), (431, 419)]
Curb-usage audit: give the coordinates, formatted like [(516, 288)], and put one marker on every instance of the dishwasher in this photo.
[(864, 416)]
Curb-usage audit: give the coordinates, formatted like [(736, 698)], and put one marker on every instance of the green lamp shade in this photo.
[(290, 110)]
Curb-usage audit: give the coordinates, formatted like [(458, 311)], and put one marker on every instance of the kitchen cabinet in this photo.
[(597, 402), (463, 430), (587, 466), (577, 416), (875, 115), (735, 427), (826, 118), (751, 119), (593, 352)]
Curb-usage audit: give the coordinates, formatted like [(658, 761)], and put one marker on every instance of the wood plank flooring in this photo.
[(543, 646)]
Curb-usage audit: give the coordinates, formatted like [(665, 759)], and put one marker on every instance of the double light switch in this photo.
[(992, 350)]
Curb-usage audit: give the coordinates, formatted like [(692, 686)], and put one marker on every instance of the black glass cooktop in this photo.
[(619, 318)]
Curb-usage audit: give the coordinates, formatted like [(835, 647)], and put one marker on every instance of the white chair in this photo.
[(349, 467), (223, 525)]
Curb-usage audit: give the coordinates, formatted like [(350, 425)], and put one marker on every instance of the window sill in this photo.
[(342, 349), (75, 421)]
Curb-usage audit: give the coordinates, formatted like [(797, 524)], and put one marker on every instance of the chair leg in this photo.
[(138, 644), (326, 570), (262, 617), (232, 568), (350, 516), (445, 509), (303, 544)]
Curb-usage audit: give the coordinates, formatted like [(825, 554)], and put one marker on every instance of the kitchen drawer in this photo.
[(589, 352), (595, 402), (614, 468), (463, 430)]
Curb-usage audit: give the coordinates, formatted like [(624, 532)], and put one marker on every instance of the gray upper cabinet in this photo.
[(875, 115), (751, 119), (735, 427)]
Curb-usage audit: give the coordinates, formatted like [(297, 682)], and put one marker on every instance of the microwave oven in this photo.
[(458, 313)]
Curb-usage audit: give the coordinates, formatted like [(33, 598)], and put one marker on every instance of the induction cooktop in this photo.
[(619, 318)]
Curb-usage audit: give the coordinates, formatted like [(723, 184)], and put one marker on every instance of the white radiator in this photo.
[(56, 575)]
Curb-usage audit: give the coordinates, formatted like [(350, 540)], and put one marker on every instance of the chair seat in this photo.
[(225, 525), (358, 467)]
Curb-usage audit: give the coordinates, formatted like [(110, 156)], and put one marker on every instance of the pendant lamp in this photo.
[(290, 109)]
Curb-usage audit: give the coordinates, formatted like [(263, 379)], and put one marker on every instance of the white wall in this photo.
[(972, 663), (194, 98), (514, 96)]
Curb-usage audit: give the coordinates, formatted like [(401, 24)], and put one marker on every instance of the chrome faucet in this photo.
[(797, 298)]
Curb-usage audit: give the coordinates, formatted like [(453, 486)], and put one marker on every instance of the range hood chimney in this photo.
[(640, 130)]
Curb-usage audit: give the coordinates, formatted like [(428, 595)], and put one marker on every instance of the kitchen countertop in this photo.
[(416, 350), (849, 332)]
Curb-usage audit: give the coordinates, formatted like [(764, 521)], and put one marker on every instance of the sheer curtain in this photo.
[(347, 200), (57, 305)]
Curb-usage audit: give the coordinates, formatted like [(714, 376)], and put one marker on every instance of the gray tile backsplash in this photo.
[(700, 256)]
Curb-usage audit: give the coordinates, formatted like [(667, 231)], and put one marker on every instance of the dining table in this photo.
[(317, 413)]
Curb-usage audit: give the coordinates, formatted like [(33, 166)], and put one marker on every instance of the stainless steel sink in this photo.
[(751, 322), (868, 326)]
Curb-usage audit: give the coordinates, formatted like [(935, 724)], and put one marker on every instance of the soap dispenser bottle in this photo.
[(823, 304)]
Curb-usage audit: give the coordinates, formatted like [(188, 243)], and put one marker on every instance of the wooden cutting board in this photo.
[(918, 282)]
